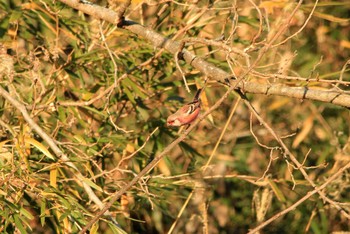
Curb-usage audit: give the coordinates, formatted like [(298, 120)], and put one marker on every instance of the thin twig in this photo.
[(180, 212), (213, 72), (298, 165), (155, 161), (268, 165), (57, 151), (300, 201), (286, 77), (260, 21), (218, 74), (178, 55), (228, 121), (139, 149), (343, 70), (255, 137), (300, 29)]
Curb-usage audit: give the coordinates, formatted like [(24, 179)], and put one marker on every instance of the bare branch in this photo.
[(306, 197), (211, 71), (57, 151)]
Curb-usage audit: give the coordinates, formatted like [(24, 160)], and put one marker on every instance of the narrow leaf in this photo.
[(19, 223), (277, 191), (40, 147)]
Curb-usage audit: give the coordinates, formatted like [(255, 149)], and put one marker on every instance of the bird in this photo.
[(186, 114)]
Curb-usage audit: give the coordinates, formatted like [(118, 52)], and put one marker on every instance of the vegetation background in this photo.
[(102, 95)]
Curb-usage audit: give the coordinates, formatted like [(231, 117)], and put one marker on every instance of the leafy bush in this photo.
[(98, 96)]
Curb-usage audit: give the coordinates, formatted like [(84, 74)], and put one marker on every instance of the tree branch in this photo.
[(300, 201), (335, 97), (329, 96), (57, 151)]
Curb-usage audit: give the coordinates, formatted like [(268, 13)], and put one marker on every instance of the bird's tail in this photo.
[(197, 96)]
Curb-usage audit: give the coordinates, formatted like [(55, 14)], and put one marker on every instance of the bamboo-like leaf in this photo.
[(18, 223), (331, 18), (53, 177), (15, 16), (25, 213), (92, 184), (2, 193), (40, 147), (307, 126), (115, 229), (94, 228), (277, 191), (205, 105), (2, 143), (42, 212), (345, 44)]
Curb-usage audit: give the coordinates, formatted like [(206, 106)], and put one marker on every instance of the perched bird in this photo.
[(186, 114)]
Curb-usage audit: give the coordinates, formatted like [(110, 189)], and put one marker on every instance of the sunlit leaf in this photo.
[(18, 222), (331, 18), (42, 212), (93, 185), (40, 147), (53, 177)]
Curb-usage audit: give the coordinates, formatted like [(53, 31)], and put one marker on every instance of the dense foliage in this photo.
[(104, 94)]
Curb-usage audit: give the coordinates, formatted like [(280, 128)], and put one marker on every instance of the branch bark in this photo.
[(329, 96), (53, 146), (300, 201), (336, 97)]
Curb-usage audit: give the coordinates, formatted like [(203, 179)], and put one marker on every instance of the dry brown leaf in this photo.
[(307, 126), (279, 102), (331, 18), (164, 168), (270, 5), (345, 44), (205, 104)]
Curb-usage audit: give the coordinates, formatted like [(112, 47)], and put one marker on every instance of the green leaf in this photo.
[(115, 229), (92, 184), (15, 16), (42, 212), (277, 191), (64, 215), (18, 223), (129, 94), (25, 213)]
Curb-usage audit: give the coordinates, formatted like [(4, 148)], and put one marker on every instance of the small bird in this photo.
[(186, 114)]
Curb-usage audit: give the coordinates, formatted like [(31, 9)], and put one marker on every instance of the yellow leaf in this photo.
[(25, 146), (345, 44), (130, 148), (205, 103), (48, 195), (5, 154), (163, 167), (2, 143), (53, 177), (2, 193), (40, 147), (307, 126), (80, 139), (270, 5), (94, 228), (28, 6), (331, 18), (279, 102)]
